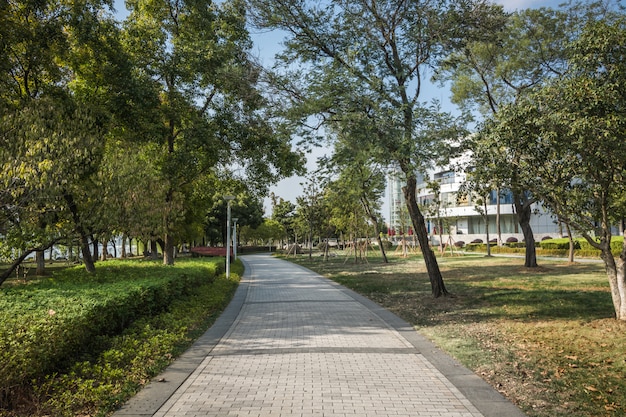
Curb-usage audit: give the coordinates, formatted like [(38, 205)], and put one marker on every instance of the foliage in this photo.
[(568, 137), (96, 339), (283, 211), (359, 65), (212, 114), (109, 128), (488, 75), (247, 208)]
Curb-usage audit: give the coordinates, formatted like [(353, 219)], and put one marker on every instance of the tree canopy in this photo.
[(113, 127)]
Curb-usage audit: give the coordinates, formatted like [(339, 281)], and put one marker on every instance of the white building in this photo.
[(458, 214)]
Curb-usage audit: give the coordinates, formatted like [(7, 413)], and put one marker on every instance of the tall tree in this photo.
[(211, 112), (378, 50), (55, 115), (360, 181), (283, 212), (577, 127), (490, 73)]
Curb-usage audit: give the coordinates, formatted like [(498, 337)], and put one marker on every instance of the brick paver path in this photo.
[(304, 346)]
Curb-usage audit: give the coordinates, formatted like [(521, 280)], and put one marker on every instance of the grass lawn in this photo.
[(544, 337)]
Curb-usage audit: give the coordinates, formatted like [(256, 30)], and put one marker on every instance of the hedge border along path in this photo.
[(63, 340)]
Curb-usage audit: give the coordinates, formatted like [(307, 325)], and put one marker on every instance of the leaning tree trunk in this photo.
[(90, 266), (523, 210), (417, 218), (84, 240), (616, 272), (8, 271)]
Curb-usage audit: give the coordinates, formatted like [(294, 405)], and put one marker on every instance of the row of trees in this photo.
[(130, 128), (346, 205), (547, 86)]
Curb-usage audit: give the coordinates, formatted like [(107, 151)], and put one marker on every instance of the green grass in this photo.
[(544, 337), (79, 344)]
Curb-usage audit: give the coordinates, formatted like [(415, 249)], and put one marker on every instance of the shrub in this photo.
[(48, 326), (475, 247), (561, 243), (517, 245), (459, 243), (512, 240), (477, 241)]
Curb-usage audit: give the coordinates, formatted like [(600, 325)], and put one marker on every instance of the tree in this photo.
[(576, 127), (360, 184), (211, 113), (311, 214), (270, 231), (283, 213), (67, 84), (378, 51), (490, 73), (247, 207)]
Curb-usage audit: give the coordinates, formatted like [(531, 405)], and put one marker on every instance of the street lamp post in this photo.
[(228, 199), (235, 237)]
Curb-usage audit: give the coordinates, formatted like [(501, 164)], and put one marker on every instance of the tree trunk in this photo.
[(380, 245), (571, 243), (90, 266), (616, 273), (105, 251), (96, 252), (523, 210), (487, 228), (417, 218), (154, 250), (168, 250), (41, 263), (498, 227), (84, 240), (374, 220), (7, 273), (123, 253)]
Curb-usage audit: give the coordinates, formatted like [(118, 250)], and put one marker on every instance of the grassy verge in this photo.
[(84, 344), (544, 337)]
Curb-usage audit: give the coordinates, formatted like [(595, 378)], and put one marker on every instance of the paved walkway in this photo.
[(292, 343)]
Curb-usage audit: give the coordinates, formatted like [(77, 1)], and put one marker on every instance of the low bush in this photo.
[(581, 245), (63, 338), (516, 245), (560, 243)]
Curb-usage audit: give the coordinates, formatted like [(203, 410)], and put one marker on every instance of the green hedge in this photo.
[(552, 247), (48, 325), (617, 243)]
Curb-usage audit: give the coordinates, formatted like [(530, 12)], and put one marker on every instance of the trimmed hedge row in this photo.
[(617, 243), (47, 326), (551, 247)]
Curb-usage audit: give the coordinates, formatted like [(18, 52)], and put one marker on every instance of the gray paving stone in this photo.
[(293, 343)]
